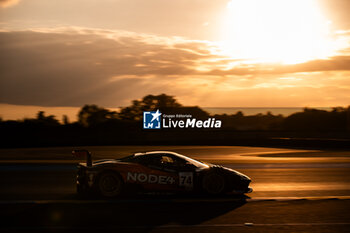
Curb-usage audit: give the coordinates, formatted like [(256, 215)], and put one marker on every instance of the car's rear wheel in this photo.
[(110, 184), (213, 183)]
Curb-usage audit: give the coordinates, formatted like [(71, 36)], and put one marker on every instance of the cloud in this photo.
[(75, 66), (8, 3), (336, 63)]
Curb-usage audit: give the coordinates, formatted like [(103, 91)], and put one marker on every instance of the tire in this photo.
[(213, 183), (110, 184)]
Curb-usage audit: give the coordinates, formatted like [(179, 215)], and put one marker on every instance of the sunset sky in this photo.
[(223, 53)]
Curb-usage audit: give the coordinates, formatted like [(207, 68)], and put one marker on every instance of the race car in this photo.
[(156, 171)]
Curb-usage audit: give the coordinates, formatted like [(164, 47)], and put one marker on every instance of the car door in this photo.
[(184, 171), (153, 175)]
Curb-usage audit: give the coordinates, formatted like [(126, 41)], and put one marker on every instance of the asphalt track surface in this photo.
[(294, 191)]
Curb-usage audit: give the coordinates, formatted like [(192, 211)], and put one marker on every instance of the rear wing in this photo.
[(83, 153)]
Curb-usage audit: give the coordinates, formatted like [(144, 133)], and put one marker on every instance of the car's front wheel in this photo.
[(213, 183), (110, 184)]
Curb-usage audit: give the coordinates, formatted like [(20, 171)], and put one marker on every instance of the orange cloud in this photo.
[(72, 67), (8, 3), (76, 67)]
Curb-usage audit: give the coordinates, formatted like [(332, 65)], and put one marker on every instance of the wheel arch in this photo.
[(214, 171), (109, 170)]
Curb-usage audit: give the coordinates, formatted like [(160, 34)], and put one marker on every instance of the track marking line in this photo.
[(258, 199), (174, 226)]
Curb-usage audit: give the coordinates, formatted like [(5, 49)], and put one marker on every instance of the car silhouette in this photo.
[(156, 171)]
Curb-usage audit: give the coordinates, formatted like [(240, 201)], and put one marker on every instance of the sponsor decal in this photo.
[(152, 120), (149, 178)]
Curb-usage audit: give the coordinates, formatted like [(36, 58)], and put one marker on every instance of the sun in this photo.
[(283, 31)]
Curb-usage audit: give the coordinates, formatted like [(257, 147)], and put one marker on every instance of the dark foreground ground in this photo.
[(294, 191), (178, 216)]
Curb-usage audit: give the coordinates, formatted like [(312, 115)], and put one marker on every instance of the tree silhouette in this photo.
[(41, 119), (151, 102), (148, 103), (317, 120), (92, 115), (65, 120)]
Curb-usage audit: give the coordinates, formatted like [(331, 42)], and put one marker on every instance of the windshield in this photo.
[(138, 157), (196, 163)]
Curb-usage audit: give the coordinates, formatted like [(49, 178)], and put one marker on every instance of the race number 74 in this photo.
[(186, 179)]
